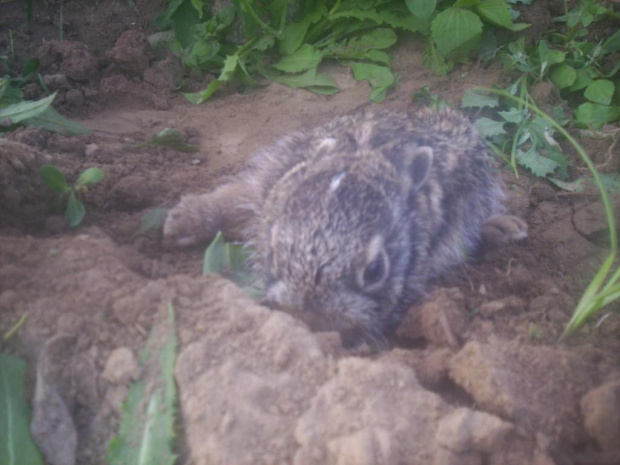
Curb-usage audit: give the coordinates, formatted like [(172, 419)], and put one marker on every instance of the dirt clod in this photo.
[(121, 367), (600, 408)]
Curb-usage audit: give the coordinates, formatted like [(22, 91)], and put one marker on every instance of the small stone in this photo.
[(75, 98), (91, 149), (600, 408), (464, 430), (56, 81), (121, 367)]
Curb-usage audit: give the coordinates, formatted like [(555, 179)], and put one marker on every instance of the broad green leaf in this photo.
[(151, 221), (378, 56), (54, 178), (600, 91), (75, 211), (456, 30), (514, 115), (489, 128), (319, 83), (536, 163), (53, 121), (496, 12), (184, 18), (466, 3), (472, 98), (379, 77), (16, 444), (516, 27), (89, 176), (294, 33), (423, 9), (380, 38), (147, 427), (612, 44), (18, 112), (582, 79), (170, 137), (305, 58), (592, 114), (563, 76), (548, 57)]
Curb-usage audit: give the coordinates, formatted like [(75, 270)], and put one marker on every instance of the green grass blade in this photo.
[(147, 428), (53, 121), (16, 444)]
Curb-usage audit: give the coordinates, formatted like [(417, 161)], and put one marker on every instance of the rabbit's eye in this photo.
[(373, 276)]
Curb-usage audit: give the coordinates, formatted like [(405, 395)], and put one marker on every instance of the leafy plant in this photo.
[(231, 261), (286, 40), (151, 221), (527, 137), (15, 111), (582, 70), (69, 196), (16, 444), (170, 137), (603, 289), (147, 427)]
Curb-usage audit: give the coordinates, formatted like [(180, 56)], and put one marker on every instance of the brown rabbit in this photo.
[(349, 220)]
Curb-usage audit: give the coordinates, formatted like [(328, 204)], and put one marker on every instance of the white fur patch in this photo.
[(333, 186), (328, 143)]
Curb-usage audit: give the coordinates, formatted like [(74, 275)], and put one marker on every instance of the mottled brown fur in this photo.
[(349, 220)]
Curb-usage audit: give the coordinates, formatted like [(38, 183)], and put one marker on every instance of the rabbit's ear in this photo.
[(418, 163)]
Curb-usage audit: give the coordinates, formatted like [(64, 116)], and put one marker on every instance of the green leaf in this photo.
[(592, 114), (89, 176), (563, 76), (496, 12), (151, 221), (216, 256), (582, 79), (147, 427), (199, 97), (514, 115), (600, 91), (306, 57), (548, 57), (18, 112), (170, 137), (16, 444), (473, 98), (612, 44), (54, 178), (53, 121), (75, 211), (536, 163), (319, 83), (456, 30), (489, 128), (379, 77), (578, 185), (423, 9), (294, 33)]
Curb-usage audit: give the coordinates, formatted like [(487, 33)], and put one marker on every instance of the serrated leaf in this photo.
[(600, 91), (593, 114), (51, 120), (18, 112), (455, 29), (563, 76), (497, 12), (16, 444), (199, 97), (294, 33), (170, 137), (89, 176), (474, 99), (305, 58), (514, 115), (423, 9), (75, 211), (407, 22), (489, 128), (536, 163), (151, 221), (379, 77), (54, 178), (147, 427)]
